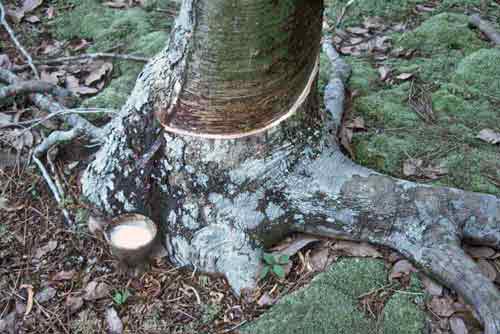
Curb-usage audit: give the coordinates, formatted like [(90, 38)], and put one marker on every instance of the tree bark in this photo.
[(223, 143)]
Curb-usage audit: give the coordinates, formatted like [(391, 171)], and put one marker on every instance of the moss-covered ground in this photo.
[(330, 304), (139, 30), (457, 70)]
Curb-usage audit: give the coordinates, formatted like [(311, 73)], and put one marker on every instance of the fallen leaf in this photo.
[(98, 73), (5, 119), (357, 249), (320, 259), (64, 275), (5, 61), (405, 76), (8, 323), (96, 224), (29, 303), (357, 30), (96, 290), (45, 295), (416, 168), (115, 325), (42, 251), (346, 140), (33, 19), (384, 72), (115, 4), (487, 269), (489, 136), (433, 288), (5, 206), (30, 5), (291, 247), (401, 268), (480, 252), (443, 307), (265, 300), (457, 325), (373, 22), (423, 8), (50, 12), (356, 124), (73, 303)]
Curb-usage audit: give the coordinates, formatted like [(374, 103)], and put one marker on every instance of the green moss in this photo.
[(329, 303), (394, 9), (401, 316), (364, 76), (440, 33), (480, 73)]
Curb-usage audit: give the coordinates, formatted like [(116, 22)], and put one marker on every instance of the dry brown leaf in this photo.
[(416, 168), (373, 22), (29, 303), (96, 290), (320, 259), (433, 288), (457, 325), (96, 224), (42, 251), (489, 136), (405, 76), (384, 72), (98, 73), (33, 19), (45, 295), (64, 275), (50, 12), (401, 268), (292, 246), (357, 30), (116, 4), (356, 124), (115, 325), (73, 303), (265, 300), (480, 252), (442, 306), (346, 140), (8, 323), (359, 249), (5, 61), (6, 206), (487, 269)]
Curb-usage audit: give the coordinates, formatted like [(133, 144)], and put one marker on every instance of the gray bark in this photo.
[(220, 201)]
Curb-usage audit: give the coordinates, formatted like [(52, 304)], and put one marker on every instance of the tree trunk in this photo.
[(223, 143)]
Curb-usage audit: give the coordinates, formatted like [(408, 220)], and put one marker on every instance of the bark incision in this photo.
[(220, 201)]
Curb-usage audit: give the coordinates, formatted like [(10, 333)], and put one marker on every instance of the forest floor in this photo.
[(424, 86)]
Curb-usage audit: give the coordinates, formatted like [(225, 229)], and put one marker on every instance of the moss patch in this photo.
[(329, 304), (460, 75), (140, 31)]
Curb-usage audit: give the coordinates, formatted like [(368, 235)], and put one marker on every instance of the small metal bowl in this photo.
[(131, 238)]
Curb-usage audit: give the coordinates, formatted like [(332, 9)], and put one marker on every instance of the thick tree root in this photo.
[(220, 202)]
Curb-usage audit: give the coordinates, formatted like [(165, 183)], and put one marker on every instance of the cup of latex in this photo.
[(131, 238)]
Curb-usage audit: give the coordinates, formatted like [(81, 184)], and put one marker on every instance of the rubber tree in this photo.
[(224, 144)]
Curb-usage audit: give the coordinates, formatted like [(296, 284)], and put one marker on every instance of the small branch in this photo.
[(55, 138), (51, 106), (92, 56), (32, 86), (485, 27), (344, 11), (12, 36), (52, 188)]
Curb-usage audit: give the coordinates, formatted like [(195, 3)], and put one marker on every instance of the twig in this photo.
[(37, 121), (235, 327), (92, 56), (12, 36), (485, 27), (51, 106), (52, 188), (344, 11), (32, 86)]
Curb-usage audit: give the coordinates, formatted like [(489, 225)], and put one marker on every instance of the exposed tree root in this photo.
[(33, 86), (485, 27)]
